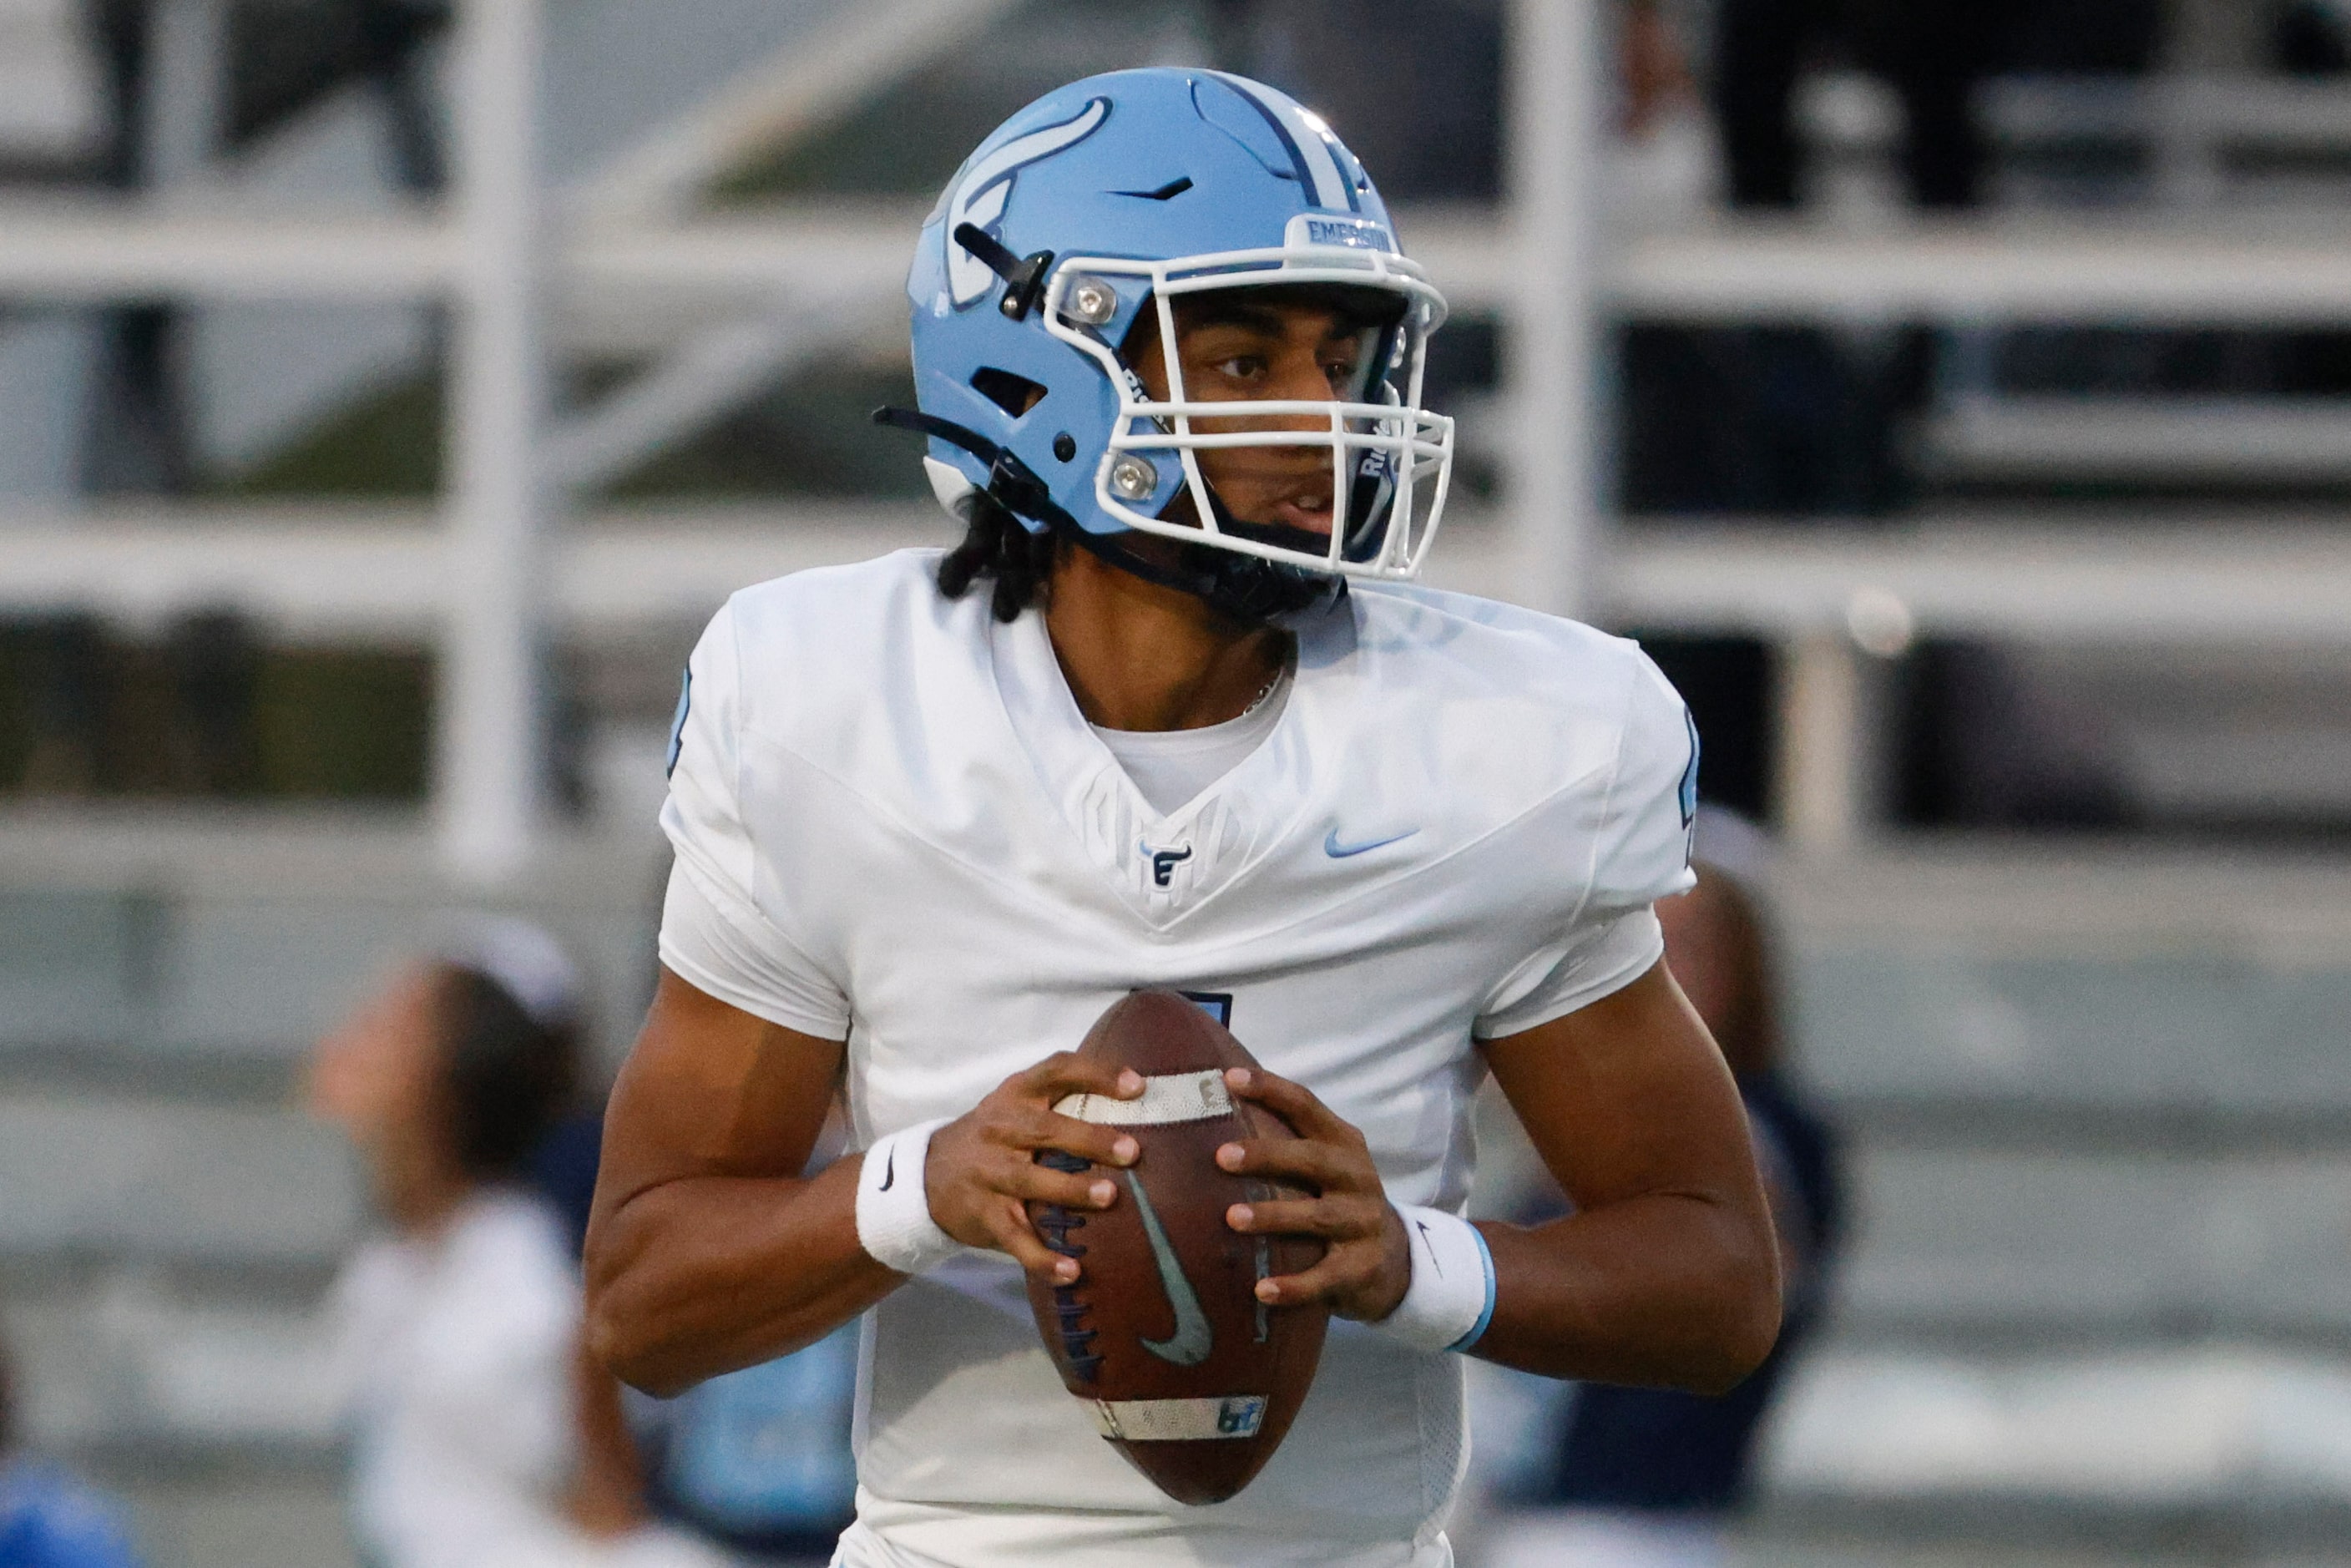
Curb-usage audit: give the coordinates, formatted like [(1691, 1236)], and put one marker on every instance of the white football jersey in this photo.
[(893, 824)]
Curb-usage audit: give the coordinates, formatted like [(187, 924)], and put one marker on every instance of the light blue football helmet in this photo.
[(1119, 194)]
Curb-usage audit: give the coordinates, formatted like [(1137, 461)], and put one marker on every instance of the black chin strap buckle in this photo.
[(1024, 277), (1015, 485)]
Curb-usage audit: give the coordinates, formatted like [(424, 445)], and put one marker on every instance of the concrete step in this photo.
[(1974, 1246), (2074, 983), (2114, 991), (137, 1365), (223, 938), (2062, 439), (2219, 1433), (1774, 1542), (2215, 1452), (165, 1182), (177, 1252), (2196, 1032), (1772, 1539)]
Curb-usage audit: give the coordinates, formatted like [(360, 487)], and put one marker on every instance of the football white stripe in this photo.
[(1167, 1098), (1180, 1420)]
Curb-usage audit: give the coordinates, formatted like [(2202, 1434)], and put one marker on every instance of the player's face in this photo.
[(1236, 349)]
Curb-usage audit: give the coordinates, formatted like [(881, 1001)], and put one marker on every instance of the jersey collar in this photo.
[(1165, 868)]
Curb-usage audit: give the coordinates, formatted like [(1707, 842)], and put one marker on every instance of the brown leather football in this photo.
[(1183, 1369)]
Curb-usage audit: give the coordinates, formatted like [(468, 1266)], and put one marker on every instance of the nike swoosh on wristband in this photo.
[(1193, 1337), (889, 1170), (1339, 851)]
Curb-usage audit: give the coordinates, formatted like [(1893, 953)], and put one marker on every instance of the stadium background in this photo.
[(360, 492)]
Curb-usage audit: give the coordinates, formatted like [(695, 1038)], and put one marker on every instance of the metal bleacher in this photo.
[(2103, 1287), (2095, 1104), (2096, 1307), (2099, 1307)]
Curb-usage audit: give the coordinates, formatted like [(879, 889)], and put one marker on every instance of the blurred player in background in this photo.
[(48, 1519), (1646, 1478), (934, 813), (483, 1437)]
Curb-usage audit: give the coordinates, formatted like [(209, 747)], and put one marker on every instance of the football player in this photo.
[(1169, 716)]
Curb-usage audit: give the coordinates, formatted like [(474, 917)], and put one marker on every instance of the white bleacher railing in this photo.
[(489, 756), (484, 581)]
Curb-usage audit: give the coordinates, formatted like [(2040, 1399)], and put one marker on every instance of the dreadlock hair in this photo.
[(996, 544)]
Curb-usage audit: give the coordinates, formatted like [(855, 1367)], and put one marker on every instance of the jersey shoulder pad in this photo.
[(1525, 690), (818, 645), (1568, 722)]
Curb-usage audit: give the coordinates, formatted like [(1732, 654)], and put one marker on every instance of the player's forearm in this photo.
[(1661, 1290), (706, 1275)]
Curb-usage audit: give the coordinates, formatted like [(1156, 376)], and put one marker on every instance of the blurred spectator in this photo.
[(2311, 38), (1931, 52), (1411, 84), (59, 666), (1647, 1477), (757, 1460), (215, 661), (1984, 744), (483, 1437), (1803, 423), (760, 1459), (1653, 70), (1758, 421), (47, 1519)]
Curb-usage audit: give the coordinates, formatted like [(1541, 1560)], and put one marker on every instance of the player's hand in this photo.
[(982, 1166), (1367, 1262)]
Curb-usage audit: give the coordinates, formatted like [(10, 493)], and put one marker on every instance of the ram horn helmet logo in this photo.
[(980, 197)]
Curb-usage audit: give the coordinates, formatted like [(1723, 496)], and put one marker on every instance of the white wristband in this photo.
[(1451, 1297), (893, 1210)]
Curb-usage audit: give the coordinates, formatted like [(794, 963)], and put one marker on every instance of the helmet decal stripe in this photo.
[(1316, 138), (1310, 154), (981, 194)]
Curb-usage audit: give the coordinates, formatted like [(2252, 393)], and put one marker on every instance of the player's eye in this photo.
[(1240, 367)]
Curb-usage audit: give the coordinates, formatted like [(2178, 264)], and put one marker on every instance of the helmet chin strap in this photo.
[(1243, 588)]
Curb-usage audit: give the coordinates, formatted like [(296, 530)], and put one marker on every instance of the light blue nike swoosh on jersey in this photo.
[(1339, 851)]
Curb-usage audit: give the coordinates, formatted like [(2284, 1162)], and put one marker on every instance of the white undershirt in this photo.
[(1171, 765)]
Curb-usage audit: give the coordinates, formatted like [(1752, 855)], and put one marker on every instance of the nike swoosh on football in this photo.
[(1193, 1337), (1339, 851)]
